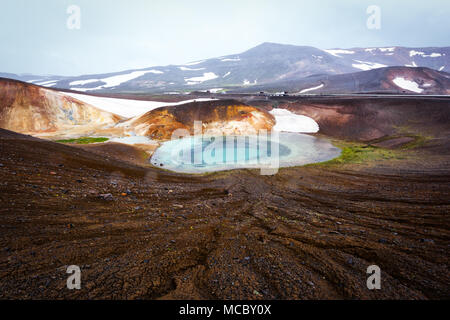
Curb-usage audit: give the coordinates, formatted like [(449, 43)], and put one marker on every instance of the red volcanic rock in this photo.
[(217, 117)]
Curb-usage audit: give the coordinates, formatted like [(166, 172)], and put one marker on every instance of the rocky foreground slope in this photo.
[(144, 233)]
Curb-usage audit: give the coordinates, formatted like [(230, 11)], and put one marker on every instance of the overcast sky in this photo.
[(115, 35)]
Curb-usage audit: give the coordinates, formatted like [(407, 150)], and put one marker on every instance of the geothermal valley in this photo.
[(140, 231), (90, 176)]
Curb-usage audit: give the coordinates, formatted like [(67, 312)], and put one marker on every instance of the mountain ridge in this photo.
[(266, 63)]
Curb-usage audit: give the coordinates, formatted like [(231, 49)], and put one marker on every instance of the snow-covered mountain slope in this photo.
[(373, 58), (264, 64), (390, 80)]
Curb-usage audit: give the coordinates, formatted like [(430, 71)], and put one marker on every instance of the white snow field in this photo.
[(134, 140), (364, 65), (206, 76), (413, 53), (407, 84), (113, 81), (82, 82), (215, 90), (291, 122), (190, 69), (389, 49), (126, 107), (385, 49), (248, 83), (337, 52), (50, 83), (311, 89), (230, 59), (194, 63)]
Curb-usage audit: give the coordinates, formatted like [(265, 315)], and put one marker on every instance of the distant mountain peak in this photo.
[(264, 64), (277, 46)]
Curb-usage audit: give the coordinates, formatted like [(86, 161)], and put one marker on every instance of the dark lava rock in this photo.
[(106, 196)]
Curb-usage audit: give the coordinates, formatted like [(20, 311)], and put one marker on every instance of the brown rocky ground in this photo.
[(305, 233), (367, 118), (135, 154)]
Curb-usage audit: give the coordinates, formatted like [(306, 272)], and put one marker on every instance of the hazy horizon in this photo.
[(117, 36)]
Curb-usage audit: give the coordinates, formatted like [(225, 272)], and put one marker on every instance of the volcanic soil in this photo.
[(139, 232)]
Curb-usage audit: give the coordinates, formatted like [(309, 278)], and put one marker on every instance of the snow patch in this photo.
[(215, 90), (291, 122), (407, 84), (190, 69), (413, 53), (230, 59), (82, 82), (391, 49), (85, 89), (126, 107), (50, 83), (248, 83), (194, 63), (337, 52), (364, 65), (119, 79), (113, 81), (311, 89), (134, 140), (206, 77)]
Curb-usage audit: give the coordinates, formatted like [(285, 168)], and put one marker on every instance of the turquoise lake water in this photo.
[(199, 154)]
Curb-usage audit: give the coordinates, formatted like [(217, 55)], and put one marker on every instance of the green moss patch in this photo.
[(84, 140), (359, 153)]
